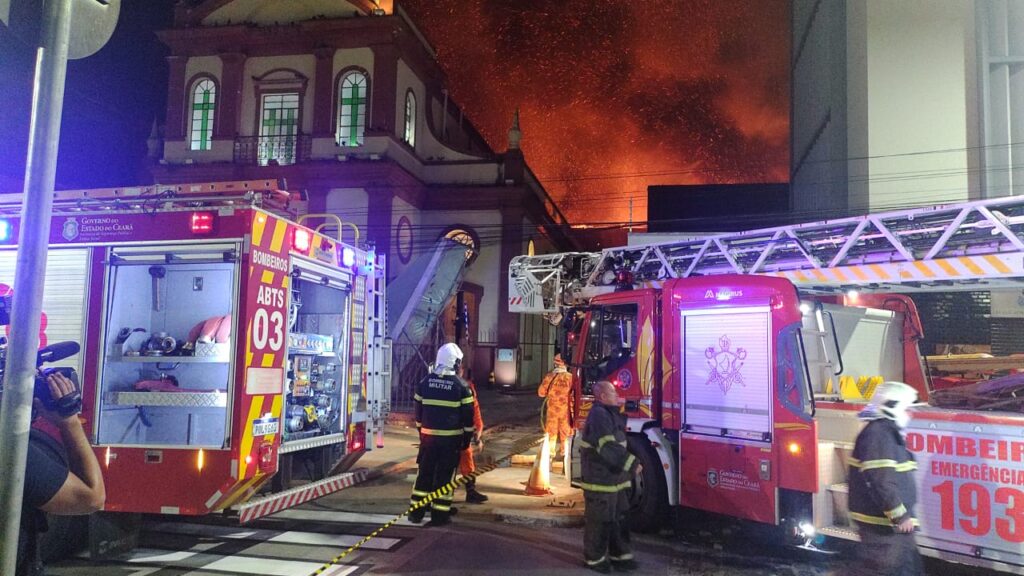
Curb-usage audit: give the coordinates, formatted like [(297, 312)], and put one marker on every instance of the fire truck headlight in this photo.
[(806, 530), (793, 448)]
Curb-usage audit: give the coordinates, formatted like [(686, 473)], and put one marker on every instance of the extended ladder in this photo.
[(974, 245)]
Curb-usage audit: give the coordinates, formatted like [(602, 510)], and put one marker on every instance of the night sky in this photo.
[(614, 95)]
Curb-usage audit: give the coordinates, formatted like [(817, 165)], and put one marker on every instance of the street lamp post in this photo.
[(94, 23)]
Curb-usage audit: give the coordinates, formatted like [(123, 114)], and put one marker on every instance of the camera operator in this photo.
[(63, 481)]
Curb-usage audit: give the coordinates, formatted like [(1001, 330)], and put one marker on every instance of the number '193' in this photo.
[(969, 508)]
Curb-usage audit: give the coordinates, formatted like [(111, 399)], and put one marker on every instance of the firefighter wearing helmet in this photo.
[(882, 489), (444, 417)]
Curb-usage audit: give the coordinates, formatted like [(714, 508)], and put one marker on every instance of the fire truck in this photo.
[(744, 359), (227, 351)]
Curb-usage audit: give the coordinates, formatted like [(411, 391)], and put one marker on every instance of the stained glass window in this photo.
[(352, 109), (204, 95), (279, 127)]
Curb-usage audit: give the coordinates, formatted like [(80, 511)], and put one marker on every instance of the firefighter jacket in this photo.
[(444, 409), (882, 491), (605, 461), (557, 388)]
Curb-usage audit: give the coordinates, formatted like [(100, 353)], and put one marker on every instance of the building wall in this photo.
[(919, 58), (421, 240), (351, 205), (818, 128), (880, 90)]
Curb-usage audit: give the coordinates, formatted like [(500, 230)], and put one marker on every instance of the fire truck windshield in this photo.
[(611, 338)]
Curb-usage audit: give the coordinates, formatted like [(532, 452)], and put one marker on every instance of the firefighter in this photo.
[(607, 466), (882, 489), (556, 389), (444, 417), (466, 463)]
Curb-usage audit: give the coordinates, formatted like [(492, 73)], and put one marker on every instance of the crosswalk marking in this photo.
[(338, 516), (268, 567), (287, 537)]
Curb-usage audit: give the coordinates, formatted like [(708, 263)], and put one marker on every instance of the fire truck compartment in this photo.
[(318, 344), (727, 379), (167, 332), (851, 349)]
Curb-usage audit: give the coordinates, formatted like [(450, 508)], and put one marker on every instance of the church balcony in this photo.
[(273, 150)]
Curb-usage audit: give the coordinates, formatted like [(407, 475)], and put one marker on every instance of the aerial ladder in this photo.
[(975, 245)]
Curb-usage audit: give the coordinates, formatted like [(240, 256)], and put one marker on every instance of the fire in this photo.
[(616, 96)]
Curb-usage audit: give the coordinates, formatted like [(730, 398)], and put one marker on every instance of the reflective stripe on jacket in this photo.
[(444, 407), (882, 490), (605, 458)]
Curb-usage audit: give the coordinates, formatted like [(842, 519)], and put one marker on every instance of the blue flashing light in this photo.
[(5, 230), (348, 257)]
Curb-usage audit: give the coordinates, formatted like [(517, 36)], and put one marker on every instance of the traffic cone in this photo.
[(539, 483)]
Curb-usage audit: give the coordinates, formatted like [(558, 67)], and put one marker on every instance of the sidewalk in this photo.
[(508, 419)]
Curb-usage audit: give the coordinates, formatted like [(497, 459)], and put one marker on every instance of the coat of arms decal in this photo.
[(725, 364)]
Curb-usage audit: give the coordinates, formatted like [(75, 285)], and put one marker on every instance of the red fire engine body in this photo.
[(223, 344), (744, 359)]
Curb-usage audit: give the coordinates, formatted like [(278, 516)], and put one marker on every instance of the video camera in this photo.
[(66, 406)]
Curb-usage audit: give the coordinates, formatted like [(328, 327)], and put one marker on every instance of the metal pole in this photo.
[(40, 174)]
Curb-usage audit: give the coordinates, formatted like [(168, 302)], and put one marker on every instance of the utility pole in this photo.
[(94, 21)]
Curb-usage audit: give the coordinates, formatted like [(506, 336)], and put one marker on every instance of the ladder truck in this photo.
[(745, 357), (227, 348)]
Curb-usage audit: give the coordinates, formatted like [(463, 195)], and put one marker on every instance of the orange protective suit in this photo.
[(557, 388), (466, 463)]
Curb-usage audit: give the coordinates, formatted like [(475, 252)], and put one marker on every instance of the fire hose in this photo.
[(517, 448)]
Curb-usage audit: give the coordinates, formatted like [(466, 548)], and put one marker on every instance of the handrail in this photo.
[(341, 224)]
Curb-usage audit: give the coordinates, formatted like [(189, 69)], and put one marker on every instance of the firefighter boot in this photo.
[(472, 496)]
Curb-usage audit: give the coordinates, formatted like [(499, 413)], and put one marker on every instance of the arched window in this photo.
[(352, 99), (468, 238), (204, 97), (410, 118)]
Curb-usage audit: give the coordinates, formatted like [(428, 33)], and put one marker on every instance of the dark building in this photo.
[(717, 207)]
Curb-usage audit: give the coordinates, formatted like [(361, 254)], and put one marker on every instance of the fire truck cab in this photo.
[(745, 358), (225, 347)]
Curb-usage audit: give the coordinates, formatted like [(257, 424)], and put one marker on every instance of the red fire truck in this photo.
[(745, 357), (224, 346)]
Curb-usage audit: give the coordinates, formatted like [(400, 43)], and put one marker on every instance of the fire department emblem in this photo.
[(713, 478), (625, 378), (70, 229), (725, 364)]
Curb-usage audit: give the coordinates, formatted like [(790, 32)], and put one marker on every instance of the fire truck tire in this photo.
[(648, 501)]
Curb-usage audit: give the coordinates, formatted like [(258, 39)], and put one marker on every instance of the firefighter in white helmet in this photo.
[(444, 416), (882, 489)]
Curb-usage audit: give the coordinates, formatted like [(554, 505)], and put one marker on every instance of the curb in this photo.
[(537, 519)]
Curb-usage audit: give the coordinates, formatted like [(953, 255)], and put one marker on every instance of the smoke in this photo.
[(675, 92)]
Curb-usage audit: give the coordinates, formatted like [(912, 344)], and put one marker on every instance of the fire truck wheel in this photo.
[(648, 501)]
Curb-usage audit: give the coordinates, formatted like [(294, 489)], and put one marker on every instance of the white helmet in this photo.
[(448, 358), (892, 400)]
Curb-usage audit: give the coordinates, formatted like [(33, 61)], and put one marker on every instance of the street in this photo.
[(511, 534)]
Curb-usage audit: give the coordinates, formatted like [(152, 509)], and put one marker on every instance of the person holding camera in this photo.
[(60, 480)]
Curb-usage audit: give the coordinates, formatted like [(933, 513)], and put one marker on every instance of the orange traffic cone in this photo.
[(539, 483)]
